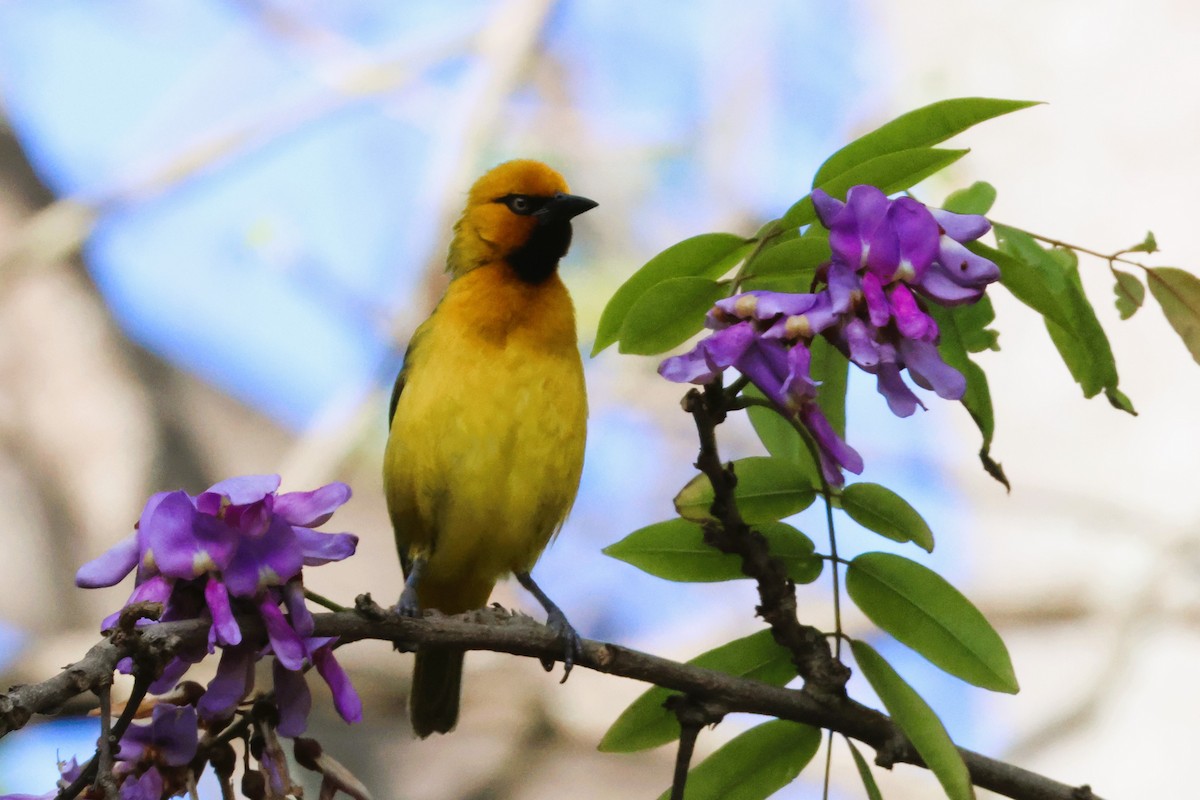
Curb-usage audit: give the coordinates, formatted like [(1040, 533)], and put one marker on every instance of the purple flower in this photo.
[(903, 240), (169, 740), (235, 680), (779, 371), (889, 257), (148, 787), (237, 548), (894, 239)]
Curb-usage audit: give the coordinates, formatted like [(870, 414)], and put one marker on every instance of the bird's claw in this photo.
[(572, 644), (408, 605)]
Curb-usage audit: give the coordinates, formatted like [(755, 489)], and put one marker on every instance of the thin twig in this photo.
[(730, 534)]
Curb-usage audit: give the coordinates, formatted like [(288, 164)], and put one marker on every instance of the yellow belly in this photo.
[(486, 446)]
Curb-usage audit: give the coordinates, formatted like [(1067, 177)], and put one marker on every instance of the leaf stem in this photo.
[(1109, 257), (321, 600)]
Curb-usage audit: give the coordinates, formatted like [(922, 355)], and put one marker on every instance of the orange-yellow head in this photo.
[(519, 213)]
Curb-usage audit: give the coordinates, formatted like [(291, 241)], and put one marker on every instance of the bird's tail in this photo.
[(436, 685)]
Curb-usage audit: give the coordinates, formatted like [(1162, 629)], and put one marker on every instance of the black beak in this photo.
[(563, 207)]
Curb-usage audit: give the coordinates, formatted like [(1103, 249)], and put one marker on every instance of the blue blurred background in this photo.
[(262, 193)]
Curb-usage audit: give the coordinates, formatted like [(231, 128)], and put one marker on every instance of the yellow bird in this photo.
[(488, 419)]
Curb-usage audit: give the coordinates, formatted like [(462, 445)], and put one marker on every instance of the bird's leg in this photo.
[(556, 621), (409, 605)]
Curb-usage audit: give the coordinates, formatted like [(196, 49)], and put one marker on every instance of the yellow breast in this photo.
[(486, 445)]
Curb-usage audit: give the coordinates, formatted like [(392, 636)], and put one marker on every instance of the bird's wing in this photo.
[(399, 386), (402, 378)]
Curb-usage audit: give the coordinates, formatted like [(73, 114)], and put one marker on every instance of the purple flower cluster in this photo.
[(238, 547), (153, 759), (888, 258)]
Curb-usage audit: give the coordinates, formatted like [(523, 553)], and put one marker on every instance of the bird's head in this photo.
[(519, 213)]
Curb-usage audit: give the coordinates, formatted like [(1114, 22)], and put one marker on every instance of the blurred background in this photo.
[(221, 219)]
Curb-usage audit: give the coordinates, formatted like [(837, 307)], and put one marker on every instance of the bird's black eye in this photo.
[(521, 204)]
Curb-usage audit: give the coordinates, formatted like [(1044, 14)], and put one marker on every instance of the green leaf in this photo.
[(1130, 293), (891, 172), (646, 723), (972, 322), (959, 326), (796, 258), (709, 255), (768, 489), (975, 199), (668, 314), (831, 370), (879, 509), (675, 550), (921, 127), (1070, 318), (919, 608), (864, 772), (754, 765), (1026, 282), (781, 438), (917, 720), (1178, 293), (1147, 245)]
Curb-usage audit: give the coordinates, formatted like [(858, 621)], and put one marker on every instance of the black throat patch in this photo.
[(536, 260)]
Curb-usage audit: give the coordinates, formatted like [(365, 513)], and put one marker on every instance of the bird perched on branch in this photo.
[(488, 419)]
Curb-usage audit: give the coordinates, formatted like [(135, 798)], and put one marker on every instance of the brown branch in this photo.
[(692, 715), (501, 631), (730, 534)]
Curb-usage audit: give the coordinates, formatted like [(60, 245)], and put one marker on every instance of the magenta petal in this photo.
[(961, 227), (911, 321), (156, 590), (844, 285), (233, 681), (939, 285), (918, 234), (250, 519), (175, 733), (725, 348), (878, 310), (345, 699), (176, 668), (964, 267), (246, 489), (312, 509), (799, 385), (322, 548), (293, 699), (224, 625), (174, 542), (772, 304), (860, 341), (883, 251), (927, 368), (111, 567), (765, 364), (891, 385), (269, 560), (148, 787), (828, 208), (172, 733), (285, 644), (691, 367), (818, 317), (832, 449)]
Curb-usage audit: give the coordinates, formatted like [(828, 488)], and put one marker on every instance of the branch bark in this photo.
[(501, 631)]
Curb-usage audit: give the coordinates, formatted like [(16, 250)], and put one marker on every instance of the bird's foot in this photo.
[(408, 605), (556, 621)]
